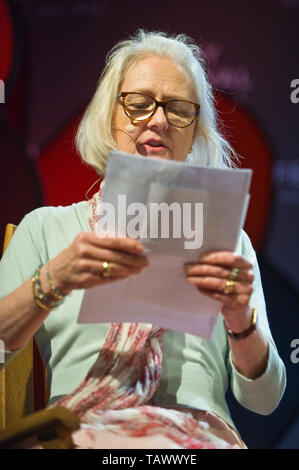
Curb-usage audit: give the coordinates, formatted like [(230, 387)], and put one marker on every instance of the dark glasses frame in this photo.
[(121, 97)]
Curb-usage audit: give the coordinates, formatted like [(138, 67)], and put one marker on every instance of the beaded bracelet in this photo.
[(39, 296), (54, 291)]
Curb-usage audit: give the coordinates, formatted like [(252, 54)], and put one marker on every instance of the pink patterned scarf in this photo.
[(117, 390)]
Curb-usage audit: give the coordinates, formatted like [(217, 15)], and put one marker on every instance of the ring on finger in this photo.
[(233, 274), (106, 269), (229, 287)]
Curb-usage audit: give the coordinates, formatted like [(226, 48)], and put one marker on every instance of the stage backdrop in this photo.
[(51, 55)]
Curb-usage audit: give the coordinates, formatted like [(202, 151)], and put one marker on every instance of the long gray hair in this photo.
[(94, 137)]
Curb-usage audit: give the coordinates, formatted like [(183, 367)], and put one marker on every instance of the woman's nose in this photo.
[(159, 119)]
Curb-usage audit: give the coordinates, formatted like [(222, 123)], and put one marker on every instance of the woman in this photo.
[(153, 99)]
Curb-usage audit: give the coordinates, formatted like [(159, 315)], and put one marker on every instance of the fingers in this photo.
[(231, 302), (115, 270), (217, 284), (80, 265), (124, 256), (118, 257), (211, 274), (225, 258), (89, 273), (243, 275), (125, 251), (127, 245)]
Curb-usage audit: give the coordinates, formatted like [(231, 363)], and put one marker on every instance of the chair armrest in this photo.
[(47, 429)]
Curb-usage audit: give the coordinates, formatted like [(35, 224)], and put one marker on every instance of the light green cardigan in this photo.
[(195, 370)]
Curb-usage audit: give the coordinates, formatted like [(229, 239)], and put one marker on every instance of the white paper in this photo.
[(160, 294)]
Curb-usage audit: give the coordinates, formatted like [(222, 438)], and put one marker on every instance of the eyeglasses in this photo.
[(140, 108)]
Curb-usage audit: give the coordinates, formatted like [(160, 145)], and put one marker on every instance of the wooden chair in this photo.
[(23, 391)]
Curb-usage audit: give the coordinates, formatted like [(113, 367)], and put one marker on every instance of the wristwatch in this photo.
[(244, 333)]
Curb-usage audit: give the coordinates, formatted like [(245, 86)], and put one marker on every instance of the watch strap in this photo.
[(245, 333)]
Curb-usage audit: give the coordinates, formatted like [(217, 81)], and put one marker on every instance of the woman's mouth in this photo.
[(153, 147)]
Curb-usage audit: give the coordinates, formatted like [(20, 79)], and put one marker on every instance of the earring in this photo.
[(191, 150)]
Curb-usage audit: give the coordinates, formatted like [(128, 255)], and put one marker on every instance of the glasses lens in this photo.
[(180, 113), (139, 106)]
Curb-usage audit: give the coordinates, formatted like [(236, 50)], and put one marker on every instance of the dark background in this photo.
[(51, 55)]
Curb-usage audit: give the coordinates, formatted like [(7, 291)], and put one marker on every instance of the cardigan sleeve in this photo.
[(18, 264), (261, 395)]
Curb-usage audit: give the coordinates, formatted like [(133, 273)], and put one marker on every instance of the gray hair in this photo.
[(94, 137)]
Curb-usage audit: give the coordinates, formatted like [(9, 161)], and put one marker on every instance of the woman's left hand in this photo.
[(211, 275)]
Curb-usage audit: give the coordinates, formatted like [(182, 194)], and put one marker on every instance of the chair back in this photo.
[(23, 380)]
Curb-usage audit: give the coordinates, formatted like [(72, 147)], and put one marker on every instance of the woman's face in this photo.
[(164, 80)]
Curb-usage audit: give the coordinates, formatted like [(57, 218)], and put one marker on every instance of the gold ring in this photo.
[(229, 287), (233, 274), (106, 270)]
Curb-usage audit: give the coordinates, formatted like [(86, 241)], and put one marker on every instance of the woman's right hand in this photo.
[(80, 266)]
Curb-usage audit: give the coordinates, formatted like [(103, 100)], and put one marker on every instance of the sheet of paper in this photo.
[(209, 208)]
